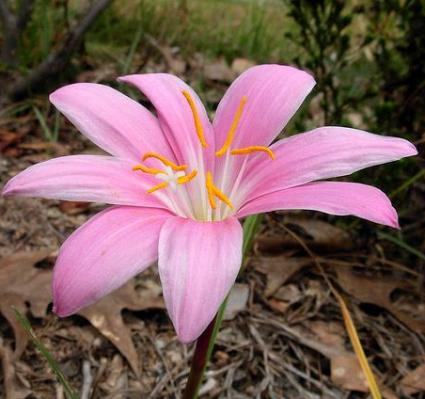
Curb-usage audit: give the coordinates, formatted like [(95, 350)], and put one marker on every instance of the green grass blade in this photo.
[(401, 244), (43, 123), (135, 43), (54, 365)]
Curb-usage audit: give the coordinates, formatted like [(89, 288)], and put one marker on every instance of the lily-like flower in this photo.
[(179, 184)]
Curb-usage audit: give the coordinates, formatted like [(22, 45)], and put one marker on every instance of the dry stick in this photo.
[(57, 61), (87, 380)]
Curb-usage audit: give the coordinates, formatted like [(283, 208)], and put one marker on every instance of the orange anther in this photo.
[(164, 160), (213, 191), (196, 118), (158, 187), (187, 178), (233, 127), (145, 169), (251, 149)]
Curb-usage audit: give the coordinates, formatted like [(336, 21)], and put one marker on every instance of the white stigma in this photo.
[(170, 177)]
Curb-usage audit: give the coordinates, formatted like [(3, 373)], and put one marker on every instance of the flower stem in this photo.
[(205, 343)]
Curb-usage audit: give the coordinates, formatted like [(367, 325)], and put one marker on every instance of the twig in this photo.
[(57, 60), (87, 381)]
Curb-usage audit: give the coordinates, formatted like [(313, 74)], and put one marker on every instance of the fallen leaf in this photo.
[(219, 71), (322, 234), (278, 270), (57, 149), (379, 291), (105, 316), (328, 339), (240, 65), (170, 55), (73, 207), (8, 139), (14, 389), (317, 234), (414, 381), (21, 283), (237, 301)]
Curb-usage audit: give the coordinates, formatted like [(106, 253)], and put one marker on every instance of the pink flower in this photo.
[(179, 184)]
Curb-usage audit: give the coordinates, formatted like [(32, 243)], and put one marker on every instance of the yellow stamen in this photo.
[(196, 118), (210, 190), (187, 178), (158, 187), (164, 160), (254, 148), (145, 169), (219, 194), (213, 191), (233, 128)]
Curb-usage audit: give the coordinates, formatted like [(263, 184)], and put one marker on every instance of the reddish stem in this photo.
[(199, 362)]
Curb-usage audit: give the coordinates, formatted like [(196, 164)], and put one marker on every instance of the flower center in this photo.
[(168, 177), (173, 175)]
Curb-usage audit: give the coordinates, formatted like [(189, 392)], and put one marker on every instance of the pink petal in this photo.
[(335, 198), (113, 121), (274, 93), (175, 115), (322, 153), (103, 254), (85, 178), (198, 264)]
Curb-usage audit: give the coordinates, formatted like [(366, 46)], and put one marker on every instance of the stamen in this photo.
[(196, 119), (214, 191), (254, 148), (233, 128), (158, 187), (210, 190), (164, 160), (187, 178), (223, 197), (145, 169)]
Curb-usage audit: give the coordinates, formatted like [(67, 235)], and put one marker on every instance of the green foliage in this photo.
[(49, 134)]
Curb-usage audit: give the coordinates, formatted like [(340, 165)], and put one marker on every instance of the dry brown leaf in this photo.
[(278, 270), (414, 381), (21, 283), (328, 339), (171, 58), (14, 389), (317, 234), (240, 65), (105, 316), (55, 148), (73, 207), (378, 291), (219, 71), (237, 301), (8, 139)]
